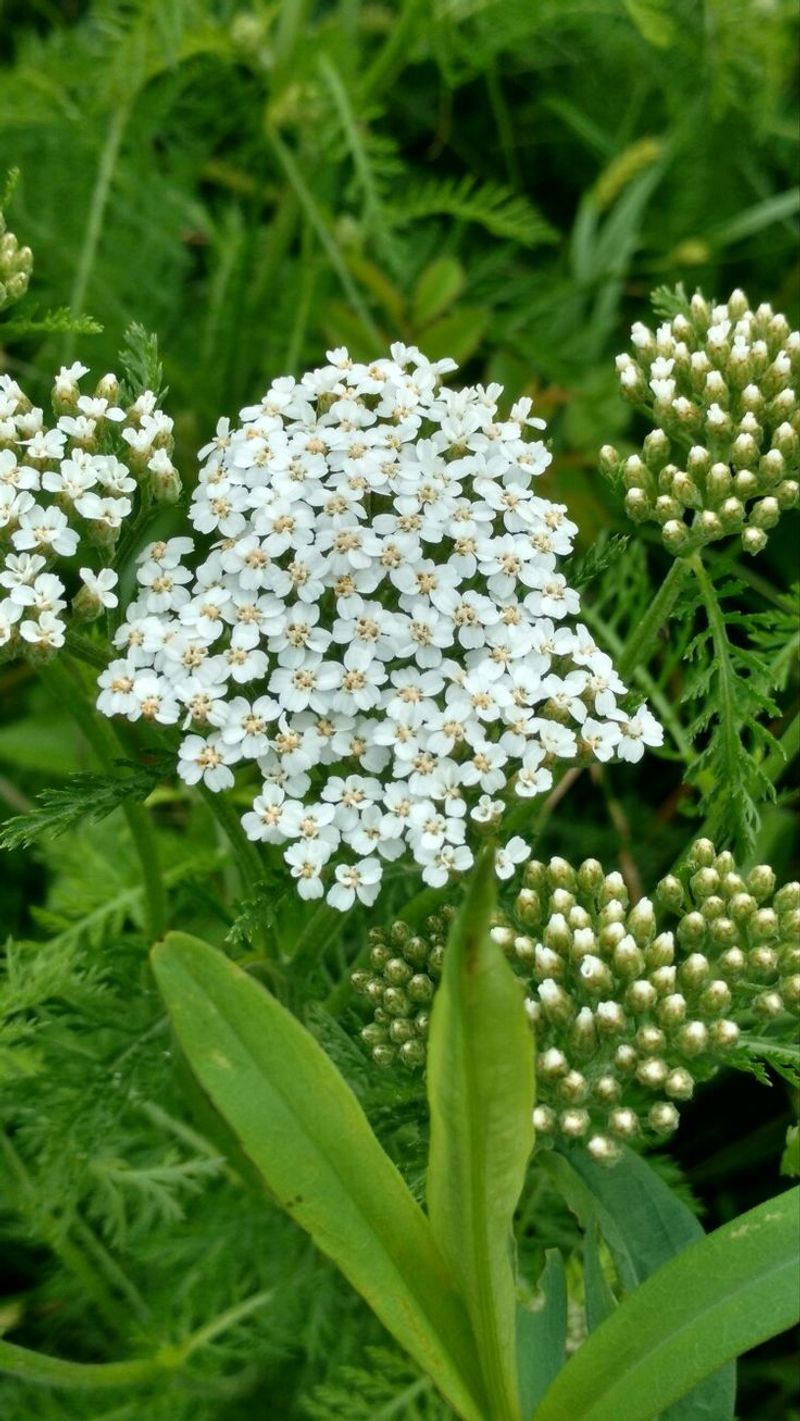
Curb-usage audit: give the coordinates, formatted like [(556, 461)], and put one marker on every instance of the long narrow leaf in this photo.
[(304, 1130), (721, 1296), (645, 1225), (480, 1087)]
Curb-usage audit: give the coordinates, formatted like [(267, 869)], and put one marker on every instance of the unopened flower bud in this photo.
[(693, 1038), (768, 1004), (672, 1009), (691, 930), (652, 1073), (573, 1088), (602, 1150), (609, 462), (663, 1118), (695, 970), (650, 1040), (623, 1122), (641, 996), (412, 1054), (638, 505), (661, 952), (552, 1063), (679, 1084), (765, 514), (556, 1003), (719, 482), (788, 494), (544, 1120), (731, 514)]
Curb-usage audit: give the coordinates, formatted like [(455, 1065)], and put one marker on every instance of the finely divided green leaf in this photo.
[(721, 1296), (480, 1089), (305, 1131)]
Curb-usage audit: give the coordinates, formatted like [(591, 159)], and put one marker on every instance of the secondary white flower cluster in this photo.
[(67, 490), (380, 625)]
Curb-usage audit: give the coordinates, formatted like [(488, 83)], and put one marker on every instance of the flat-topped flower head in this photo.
[(719, 384), (67, 490), (379, 625)]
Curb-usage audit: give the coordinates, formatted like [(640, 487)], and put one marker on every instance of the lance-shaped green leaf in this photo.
[(303, 1128), (721, 1296), (480, 1088), (644, 1224)]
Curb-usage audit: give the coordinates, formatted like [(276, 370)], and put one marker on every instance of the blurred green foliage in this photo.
[(503, 181)]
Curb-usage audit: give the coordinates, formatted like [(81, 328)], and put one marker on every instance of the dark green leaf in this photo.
[(542, 1334), (721, 1296)]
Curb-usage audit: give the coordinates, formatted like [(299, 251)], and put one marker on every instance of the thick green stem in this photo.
[(67, 688), (645, 635)]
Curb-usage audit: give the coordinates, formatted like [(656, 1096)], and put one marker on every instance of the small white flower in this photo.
[(355, 881), (101, 585), (508, 859), (205, 760)]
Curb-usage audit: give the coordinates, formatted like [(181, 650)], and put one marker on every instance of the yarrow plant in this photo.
[(380, 625), (368, 618)]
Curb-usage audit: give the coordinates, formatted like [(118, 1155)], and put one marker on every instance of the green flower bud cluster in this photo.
[(404, 969), (720, 385), (16, 264), (630, 1005)]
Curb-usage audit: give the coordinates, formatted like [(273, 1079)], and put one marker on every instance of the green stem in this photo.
[(66, 686), (780, 758), (645, 635), (326, 241), (55, 1371), (726, 679), (94, 224), (244, 852), (394, 55)]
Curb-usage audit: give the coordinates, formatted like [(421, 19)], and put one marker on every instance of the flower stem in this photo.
[(244, 852), (67, 688), (645, 635)]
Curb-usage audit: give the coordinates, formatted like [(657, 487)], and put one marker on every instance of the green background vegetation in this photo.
[(502, 182)]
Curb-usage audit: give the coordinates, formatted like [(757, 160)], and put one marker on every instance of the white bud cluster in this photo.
[(380, 625), (627, 1015), (66, 491), (719, 383), (16, 264)]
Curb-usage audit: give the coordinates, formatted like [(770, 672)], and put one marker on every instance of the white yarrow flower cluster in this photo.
[(65, 490), (379, 625)]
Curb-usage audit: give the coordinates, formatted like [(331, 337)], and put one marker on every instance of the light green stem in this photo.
[(67, 688), (319, 226), (94, 224), (640, 645), (57, 1372)]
